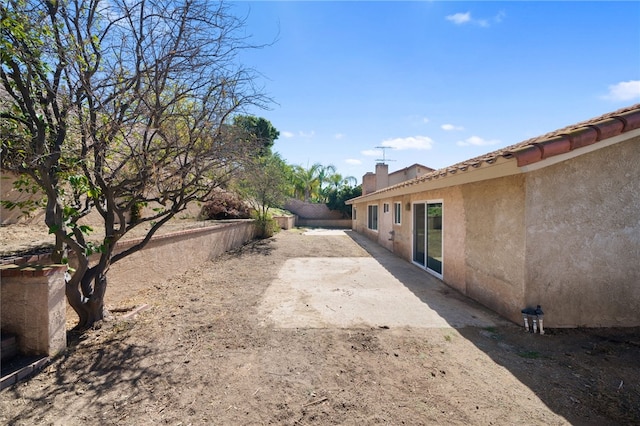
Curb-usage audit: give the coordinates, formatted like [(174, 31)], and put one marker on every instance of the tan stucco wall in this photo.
[(455, 238), (402, 242), (169, 255), (583, 238), (495, 243), (565, 236), (385, 226), (359, 224), (402, 238), (285, 222), (324, 223), (33, 308), (483, 246)]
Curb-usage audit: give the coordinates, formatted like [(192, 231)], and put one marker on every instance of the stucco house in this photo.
[(551, 221), (372, 182)]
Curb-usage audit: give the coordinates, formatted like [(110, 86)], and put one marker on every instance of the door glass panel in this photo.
[(419, 233), (434, 237)]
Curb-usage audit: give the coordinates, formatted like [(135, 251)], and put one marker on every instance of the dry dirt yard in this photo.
[(203, 354)]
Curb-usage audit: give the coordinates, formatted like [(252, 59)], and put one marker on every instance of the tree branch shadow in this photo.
[(100, 372)]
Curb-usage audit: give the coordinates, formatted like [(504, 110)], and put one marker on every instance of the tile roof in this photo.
[(542, 147), (575, 136)]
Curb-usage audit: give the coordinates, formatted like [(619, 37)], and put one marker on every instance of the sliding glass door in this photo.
[(427, 236)]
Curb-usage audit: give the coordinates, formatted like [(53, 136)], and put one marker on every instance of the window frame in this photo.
[(424, 264), (372, 217), (397, 213)]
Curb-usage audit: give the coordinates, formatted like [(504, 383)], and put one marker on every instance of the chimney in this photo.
[(368, 183), (382, 176)]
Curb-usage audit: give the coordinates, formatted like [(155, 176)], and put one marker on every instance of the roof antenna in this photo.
[(384, 154)]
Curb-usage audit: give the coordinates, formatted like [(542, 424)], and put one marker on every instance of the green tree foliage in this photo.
[(308, 182), (264, 185), (257, 128), (113, 104), (322, 184), (337, 196)]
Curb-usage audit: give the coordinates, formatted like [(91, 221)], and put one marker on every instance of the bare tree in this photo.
[(111, 105)]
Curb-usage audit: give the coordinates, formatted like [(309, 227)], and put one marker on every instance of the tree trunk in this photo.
[(90, 308)]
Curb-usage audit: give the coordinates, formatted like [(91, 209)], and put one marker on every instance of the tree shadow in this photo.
[(588, 376), (94, 378), (262, 247)]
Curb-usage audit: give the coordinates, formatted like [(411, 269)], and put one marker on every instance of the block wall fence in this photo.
[(32, 296)]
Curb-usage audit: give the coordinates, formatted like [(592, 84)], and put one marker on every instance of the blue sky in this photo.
[(436, 82)]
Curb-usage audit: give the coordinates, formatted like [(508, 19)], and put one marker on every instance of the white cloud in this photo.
[(371, 152), (450, 127), (411, 142), (466, 18), (477, 141), (300, 134), (460, 18), (306, 134), (353, 161), (339, 135), (624, 91)]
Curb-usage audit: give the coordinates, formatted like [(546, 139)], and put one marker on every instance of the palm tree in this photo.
[(309, 183), (324, 176), (337, 181), (306, 181)]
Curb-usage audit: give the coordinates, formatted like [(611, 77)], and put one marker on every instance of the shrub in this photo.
[(226, 205), (267, 226)]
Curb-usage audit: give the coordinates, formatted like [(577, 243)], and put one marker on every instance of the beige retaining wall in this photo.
[(324, 223), (33, 307), (285, 222), (311, 210), (172, 254), (33, 303)]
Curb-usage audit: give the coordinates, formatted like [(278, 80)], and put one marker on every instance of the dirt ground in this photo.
[(201, 355)]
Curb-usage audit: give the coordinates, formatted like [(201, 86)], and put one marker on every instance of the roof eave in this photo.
[(554, 151)]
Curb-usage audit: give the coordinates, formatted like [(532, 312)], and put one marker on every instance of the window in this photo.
[(355, 211), (372, 218), (385, 208), (397, 213)]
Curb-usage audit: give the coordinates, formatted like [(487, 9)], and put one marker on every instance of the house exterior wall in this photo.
[(401, 242), (564, 235), (483, 238), (407, 173), (402, 239), (583, 238), (359, 224), (385, 225), (495, 244)]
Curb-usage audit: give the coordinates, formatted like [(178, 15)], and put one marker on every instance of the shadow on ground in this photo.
[(87, 382), (588, 376)]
